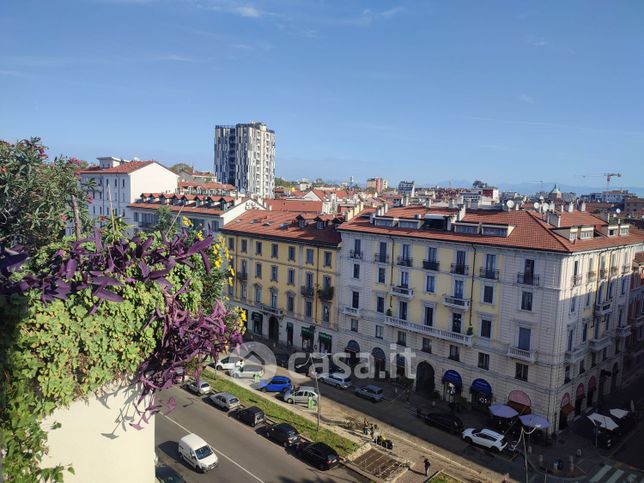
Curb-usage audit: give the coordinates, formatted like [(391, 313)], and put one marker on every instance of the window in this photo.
[(328, 256), (402, 310), (524, 338), (231, 243), (291, 276), (604, 353), (582, 367), (458, 289), (429, 316), (356, 270), (486, 328), (570, 340), (528, 269), (521, 372), (573, 304), (484, 360), (426, 345), (290, 303), (584, 332), (526, 300), (273, 299), (326, 313), (431, 254), (380, 305), (382, 252), (405, 251), (593, 359), (273, 273), (326, 282), (258, 248), (430, 284), (244, 246), (308, 281), (454, 353), (274, 250), (588, 299), (460, 257), (243, 291), (379, 331), (456, 322), (623, 286), (566, 374), (354, 325), (308, 308), (357, 247), (309, 256), (258, 294), (381, 275), (402, 338), (258, 270), (291, 254), (355, 300), (488, 294)]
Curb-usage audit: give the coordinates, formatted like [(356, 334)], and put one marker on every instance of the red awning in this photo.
[(567, 409), (565, 400), (580, 392), (592, 384)]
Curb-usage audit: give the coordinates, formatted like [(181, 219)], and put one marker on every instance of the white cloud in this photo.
[(527, 99), (248, 11)]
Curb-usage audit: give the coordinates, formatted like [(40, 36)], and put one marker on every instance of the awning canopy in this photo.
[(378, 353), (580, 394), (592, 384), (307, 332), (535, 421), (352, 346), (453, 377), (481, 385), (603, 421), (324, 338), (520, 397), (502, 411), (567, 409), (618, 413)]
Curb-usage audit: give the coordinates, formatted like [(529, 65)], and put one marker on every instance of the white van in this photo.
[(197, 453)]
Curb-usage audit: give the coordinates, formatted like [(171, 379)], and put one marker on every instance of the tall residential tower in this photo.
[(245, 158)]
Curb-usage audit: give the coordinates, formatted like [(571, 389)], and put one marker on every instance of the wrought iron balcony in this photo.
[(326, 294), (576, 279), (490, 274), (457, 303), (242, 276), (429, 330), (271, 310), (623, 331), (603, 308), (431, 265), (381, 258), (626, 269), (599, 343), (527, 355), (528, 279), (577, 353), (405, 261), (459, 269), (357, 254), (307, 291), (354, 311), (603, 272), (402, 291)]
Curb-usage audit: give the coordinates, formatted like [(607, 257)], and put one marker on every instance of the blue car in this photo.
[(276, 384)]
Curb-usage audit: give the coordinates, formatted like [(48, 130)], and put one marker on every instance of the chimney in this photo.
[(554, 219), (571, 207), (583, 206)]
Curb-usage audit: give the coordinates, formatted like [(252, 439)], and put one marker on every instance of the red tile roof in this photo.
[(207, 186), (176, 208), (123, 168), (294, 205)]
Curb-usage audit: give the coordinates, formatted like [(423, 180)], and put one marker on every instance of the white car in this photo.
[(301, 395), (337, 379), (228, 363), (224, 400), (199, 387), (197, 453), (486, 438)]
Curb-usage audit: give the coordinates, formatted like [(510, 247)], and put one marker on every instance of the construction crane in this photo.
[(608, 177)]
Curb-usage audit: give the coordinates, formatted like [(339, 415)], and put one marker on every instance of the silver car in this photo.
[(300, 395), (337, 379), (247, 371), (224, 400), (199, 387)]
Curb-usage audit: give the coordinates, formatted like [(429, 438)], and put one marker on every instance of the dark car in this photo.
[(282, 360), (283, 433), (371, 392), (445, 421), (251, 416), (319, 455)]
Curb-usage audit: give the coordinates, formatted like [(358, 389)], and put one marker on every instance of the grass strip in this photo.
[(281, 414)]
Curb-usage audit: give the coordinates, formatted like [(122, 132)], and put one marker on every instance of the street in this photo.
[(244, 456)]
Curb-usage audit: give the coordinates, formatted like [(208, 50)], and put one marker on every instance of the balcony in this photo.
[(599, 343), (528, 279), (626, 269), (489, 274), (592, 276), (431, 265), (357, 254), (623, 331), (242, 276), (402, 291), (381, 258), (614, 271), (307, 291), (603, 272), (576, 280), (429, 330), (522, 354), (456, 303), (352, 311), (271, 310), (576, 354), (459, 269), (326, 294), (604, 308), (404, 261)]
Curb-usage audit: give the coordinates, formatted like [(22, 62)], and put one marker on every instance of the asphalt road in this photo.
[(245, 455)]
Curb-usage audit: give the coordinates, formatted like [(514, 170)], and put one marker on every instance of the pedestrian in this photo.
[(371, 432), (427, 465)]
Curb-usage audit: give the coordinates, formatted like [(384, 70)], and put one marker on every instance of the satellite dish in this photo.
[(536, 205), (618, 211), (509, 204)]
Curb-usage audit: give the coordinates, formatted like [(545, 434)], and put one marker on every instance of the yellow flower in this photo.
[(217, 264), (185, 221), (230, 281), (199, 235), (232, 271)]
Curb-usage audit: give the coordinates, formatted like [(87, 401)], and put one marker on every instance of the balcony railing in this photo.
[(623, 331), (522, 354), (271, 310), (429, 330), (592, 276), (405, 261), (487, 273), (528, 279), (355, 254), (599, 343), (431, 265), (576, 279), (402, 291), (455, 302), (351, 311), (626, 269), (307, 291), (603, 308), (326, 294), (242, 276), (614, 271), (381, 258), (603, 272), (576, 354), (459, 269)]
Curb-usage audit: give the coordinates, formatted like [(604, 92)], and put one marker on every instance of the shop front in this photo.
[(481, 392), (520, 401), (592, 388), (289, 334), (565, 409), (580, 395), (452, 386), (379, 361), (324, 343), (308, 336), (258, 323), (352, 349)]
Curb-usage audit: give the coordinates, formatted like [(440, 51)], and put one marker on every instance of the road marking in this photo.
[(217, 451), (600, 474), (615, 476)]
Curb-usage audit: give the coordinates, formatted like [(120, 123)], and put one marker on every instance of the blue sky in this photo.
[(503, 91)]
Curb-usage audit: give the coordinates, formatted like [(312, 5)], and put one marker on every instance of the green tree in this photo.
[(177, 168), (38, 197), (166, 222)]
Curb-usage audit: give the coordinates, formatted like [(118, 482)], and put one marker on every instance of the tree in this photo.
[(38, 197), (177, 168), (165, 223), (479, 184), (284, 183)]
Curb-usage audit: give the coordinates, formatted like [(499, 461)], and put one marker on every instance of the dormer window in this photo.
[(586, 234), (301, 223), (623, 231)]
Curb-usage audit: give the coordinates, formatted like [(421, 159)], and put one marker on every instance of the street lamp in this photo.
[(525, 451), (317, 390)]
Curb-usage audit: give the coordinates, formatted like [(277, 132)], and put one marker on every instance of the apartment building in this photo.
[(634, 357), (245, 158), (516, 307), (286, 269)]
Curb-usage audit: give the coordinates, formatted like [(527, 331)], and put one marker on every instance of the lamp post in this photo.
[(317, 390), (525, 451)]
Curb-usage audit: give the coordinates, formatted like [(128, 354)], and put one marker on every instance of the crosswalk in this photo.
[(616, 474)]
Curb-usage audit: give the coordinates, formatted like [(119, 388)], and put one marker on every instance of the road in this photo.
[(244, 454)]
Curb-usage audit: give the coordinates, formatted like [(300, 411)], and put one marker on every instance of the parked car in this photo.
[(602, 437), (445, 421), (228, 363), (283, 433), (247, 371), (336, 379), (251, 416), (371, 392), (197, 453), (319, 455), (486, 438), (282, 360), (224, 400), (276, 384), (199, 387), (300, 395)]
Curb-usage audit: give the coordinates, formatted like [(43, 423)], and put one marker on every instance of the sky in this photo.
[(504, 91)]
